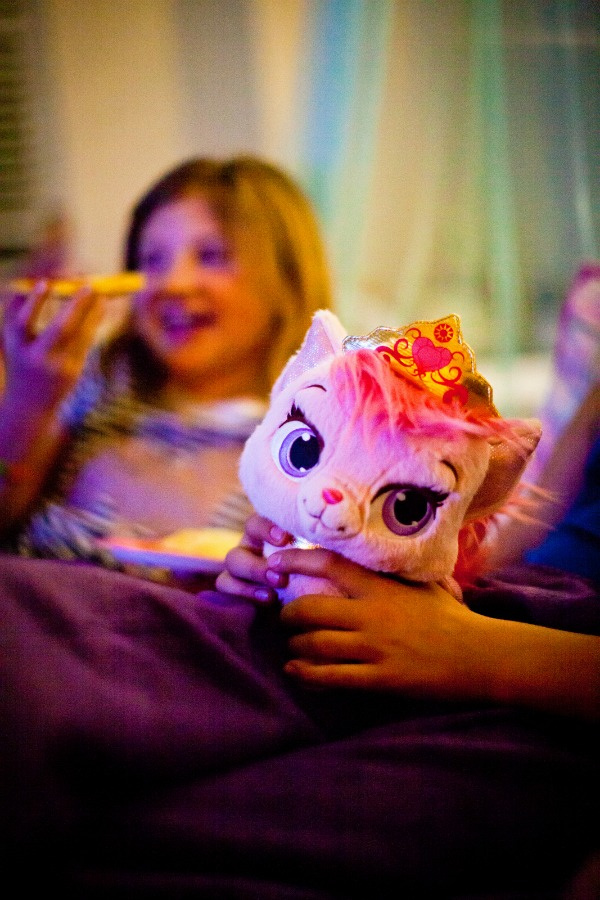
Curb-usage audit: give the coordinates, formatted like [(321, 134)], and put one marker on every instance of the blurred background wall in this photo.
[(452, 148)]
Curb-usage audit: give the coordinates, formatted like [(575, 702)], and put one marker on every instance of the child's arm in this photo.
[(560, 481), (40, 370), (413, 639), (418, 641)]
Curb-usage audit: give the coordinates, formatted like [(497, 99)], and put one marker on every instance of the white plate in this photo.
[(149, 554)]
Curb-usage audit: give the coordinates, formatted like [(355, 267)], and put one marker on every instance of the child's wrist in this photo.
[(28, 416)]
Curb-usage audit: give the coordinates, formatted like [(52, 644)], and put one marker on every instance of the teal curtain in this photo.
[(342, 89), (494, 205), (496, 186)]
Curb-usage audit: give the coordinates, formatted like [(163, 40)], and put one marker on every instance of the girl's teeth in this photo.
[(178, 318)]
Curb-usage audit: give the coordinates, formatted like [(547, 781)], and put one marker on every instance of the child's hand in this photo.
[(387, 636), (41, 368), (247, 572)]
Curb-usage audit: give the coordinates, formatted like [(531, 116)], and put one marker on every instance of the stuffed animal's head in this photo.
[(376, 448)]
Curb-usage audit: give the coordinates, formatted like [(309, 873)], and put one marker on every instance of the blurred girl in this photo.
[(142, 437)]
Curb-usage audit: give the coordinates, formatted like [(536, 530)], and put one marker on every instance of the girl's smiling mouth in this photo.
[(177, 321)]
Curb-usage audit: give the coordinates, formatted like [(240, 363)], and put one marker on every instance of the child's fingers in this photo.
[(259, 531), (21, 310), (246, 564), (352, 579), (330, 675), (75, 322), (323, 612), (247, 573), (84, 329), (326, 645), (228, 584)]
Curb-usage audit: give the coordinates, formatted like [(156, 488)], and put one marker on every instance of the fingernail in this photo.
[(274, 578), (263, 594), (276, 533), (274, 560)]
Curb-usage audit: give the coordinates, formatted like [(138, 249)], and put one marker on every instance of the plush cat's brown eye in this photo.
[(408, 509)]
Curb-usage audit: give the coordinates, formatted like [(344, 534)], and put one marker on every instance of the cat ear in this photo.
[(507, 463), (322, 341)]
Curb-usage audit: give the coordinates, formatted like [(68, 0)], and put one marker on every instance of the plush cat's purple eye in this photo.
[(296, 449), (407, 510)]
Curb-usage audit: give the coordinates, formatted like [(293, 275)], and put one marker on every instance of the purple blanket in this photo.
[(152, 748)]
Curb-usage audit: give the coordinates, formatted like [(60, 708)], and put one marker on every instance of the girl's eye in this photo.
[(296, 449), (407, 509), (214, 255), (211, 254), (154, 261)]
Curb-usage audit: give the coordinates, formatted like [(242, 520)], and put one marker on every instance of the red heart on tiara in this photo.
[(428, 356)]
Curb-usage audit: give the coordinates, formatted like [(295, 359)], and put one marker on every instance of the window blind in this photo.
[(15, 132)]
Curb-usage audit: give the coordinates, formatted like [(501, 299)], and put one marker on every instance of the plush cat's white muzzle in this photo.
[(327, 509)]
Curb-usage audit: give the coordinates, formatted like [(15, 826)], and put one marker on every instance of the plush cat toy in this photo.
[(387, 449)]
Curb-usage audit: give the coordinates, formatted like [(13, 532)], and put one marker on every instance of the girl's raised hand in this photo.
[(41, 367)]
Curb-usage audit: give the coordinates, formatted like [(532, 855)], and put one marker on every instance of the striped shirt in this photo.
[(134, 470)]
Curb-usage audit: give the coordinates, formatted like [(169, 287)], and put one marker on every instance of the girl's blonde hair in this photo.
[(274, 234)]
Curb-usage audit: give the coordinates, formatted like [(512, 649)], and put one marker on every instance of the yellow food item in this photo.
[(212, 543), (108, 285)]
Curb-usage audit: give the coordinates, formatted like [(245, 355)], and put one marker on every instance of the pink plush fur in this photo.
[(353, 457), (375, 396)]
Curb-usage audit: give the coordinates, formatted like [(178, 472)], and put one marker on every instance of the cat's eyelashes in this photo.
[(406, 509), (295, 414), (296, 447)]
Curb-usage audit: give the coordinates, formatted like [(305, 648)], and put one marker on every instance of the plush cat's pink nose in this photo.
[(331, 496)]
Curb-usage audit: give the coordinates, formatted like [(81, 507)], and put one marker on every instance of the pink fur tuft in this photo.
[(376, 395)]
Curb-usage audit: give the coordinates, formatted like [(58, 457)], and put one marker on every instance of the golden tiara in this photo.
[(435, 356)]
